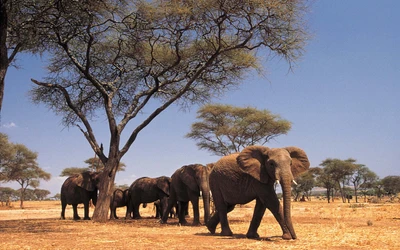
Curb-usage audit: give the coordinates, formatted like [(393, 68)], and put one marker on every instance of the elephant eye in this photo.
[(271, 164)]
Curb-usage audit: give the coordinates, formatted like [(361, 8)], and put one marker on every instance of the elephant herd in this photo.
[(234, 179)]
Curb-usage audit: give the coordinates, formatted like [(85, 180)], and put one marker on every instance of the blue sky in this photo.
[(342, 98)]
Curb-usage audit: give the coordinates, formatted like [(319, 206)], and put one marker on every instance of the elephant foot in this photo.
[(211, 228), (86, 218), (196, 223), (77, 218), (287, 236), (252, 235), (226, 232), (184, 223)]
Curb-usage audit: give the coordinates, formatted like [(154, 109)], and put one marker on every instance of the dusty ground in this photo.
[(318, 225)]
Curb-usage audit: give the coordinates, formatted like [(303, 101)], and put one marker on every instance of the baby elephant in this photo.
[(119, 199)]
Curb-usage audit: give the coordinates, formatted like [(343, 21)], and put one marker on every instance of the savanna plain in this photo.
[(318, 225)]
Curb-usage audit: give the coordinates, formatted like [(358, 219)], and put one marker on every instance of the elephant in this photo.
[(79, 188), (186, 184), (146, 190), (242, 177), (118, 199)]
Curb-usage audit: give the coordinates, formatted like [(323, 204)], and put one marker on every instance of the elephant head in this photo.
[(268, 165), (163, 184), (88, 180)]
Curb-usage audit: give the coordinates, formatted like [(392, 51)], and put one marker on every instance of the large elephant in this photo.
[(186, 184), (119, 199), (146, 190), (242, 177), (79, 188)]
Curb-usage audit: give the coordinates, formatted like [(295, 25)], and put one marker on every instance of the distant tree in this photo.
[(391, 184), (7, 194), (95, 164), (66, 172), (131, 60), (23, 168), (57, 196), (122, 187), (225, 129), (362, 177), (325, 180), (6, 155), (339, 171), (305, 183), (41, 194)]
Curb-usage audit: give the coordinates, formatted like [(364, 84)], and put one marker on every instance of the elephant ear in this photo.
[(163, 183), (86, 181), (251, 160), (300, 162)]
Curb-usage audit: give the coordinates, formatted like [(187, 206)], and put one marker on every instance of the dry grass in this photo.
[(318, 226)]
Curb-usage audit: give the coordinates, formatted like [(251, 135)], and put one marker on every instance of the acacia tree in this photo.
[(114, 58), (339, 171), (226, 129), (18, 33), (362, 177), (23, 169)]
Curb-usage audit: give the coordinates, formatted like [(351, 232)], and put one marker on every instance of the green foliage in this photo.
[(66, 172), (305, 183), (391, 184), (20, 165), (225, 129)]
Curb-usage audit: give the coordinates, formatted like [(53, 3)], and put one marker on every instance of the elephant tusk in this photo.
[(295, 183), (277, 182)]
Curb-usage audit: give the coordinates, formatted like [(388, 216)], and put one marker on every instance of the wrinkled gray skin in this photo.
[(250, 175), (146, 190), (119, 199), (186, 184), (77, 189)]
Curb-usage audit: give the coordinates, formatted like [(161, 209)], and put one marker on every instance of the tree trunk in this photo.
[(106, 185), (3, 48)]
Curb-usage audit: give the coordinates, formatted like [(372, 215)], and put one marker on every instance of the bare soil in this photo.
[(318, 225)]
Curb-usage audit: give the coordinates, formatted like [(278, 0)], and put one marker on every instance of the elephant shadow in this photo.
[(242, 236)]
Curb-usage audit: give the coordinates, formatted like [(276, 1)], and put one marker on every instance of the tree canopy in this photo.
[(20, 165), (127, 60), (225, 129)]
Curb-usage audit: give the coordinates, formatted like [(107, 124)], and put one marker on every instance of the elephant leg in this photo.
[(86, 210), (63, 206), (258, 214), (213, 222), (277, 210), (136, 214), (223, 217), (164, 217), (181, 214), (115, 213), (75, 209), (195, 205)]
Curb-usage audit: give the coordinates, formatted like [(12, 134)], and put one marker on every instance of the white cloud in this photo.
[(9, 125)]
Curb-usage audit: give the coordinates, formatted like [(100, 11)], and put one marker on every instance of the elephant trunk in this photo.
[(206, 203), (286, 190), (205, 191)]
